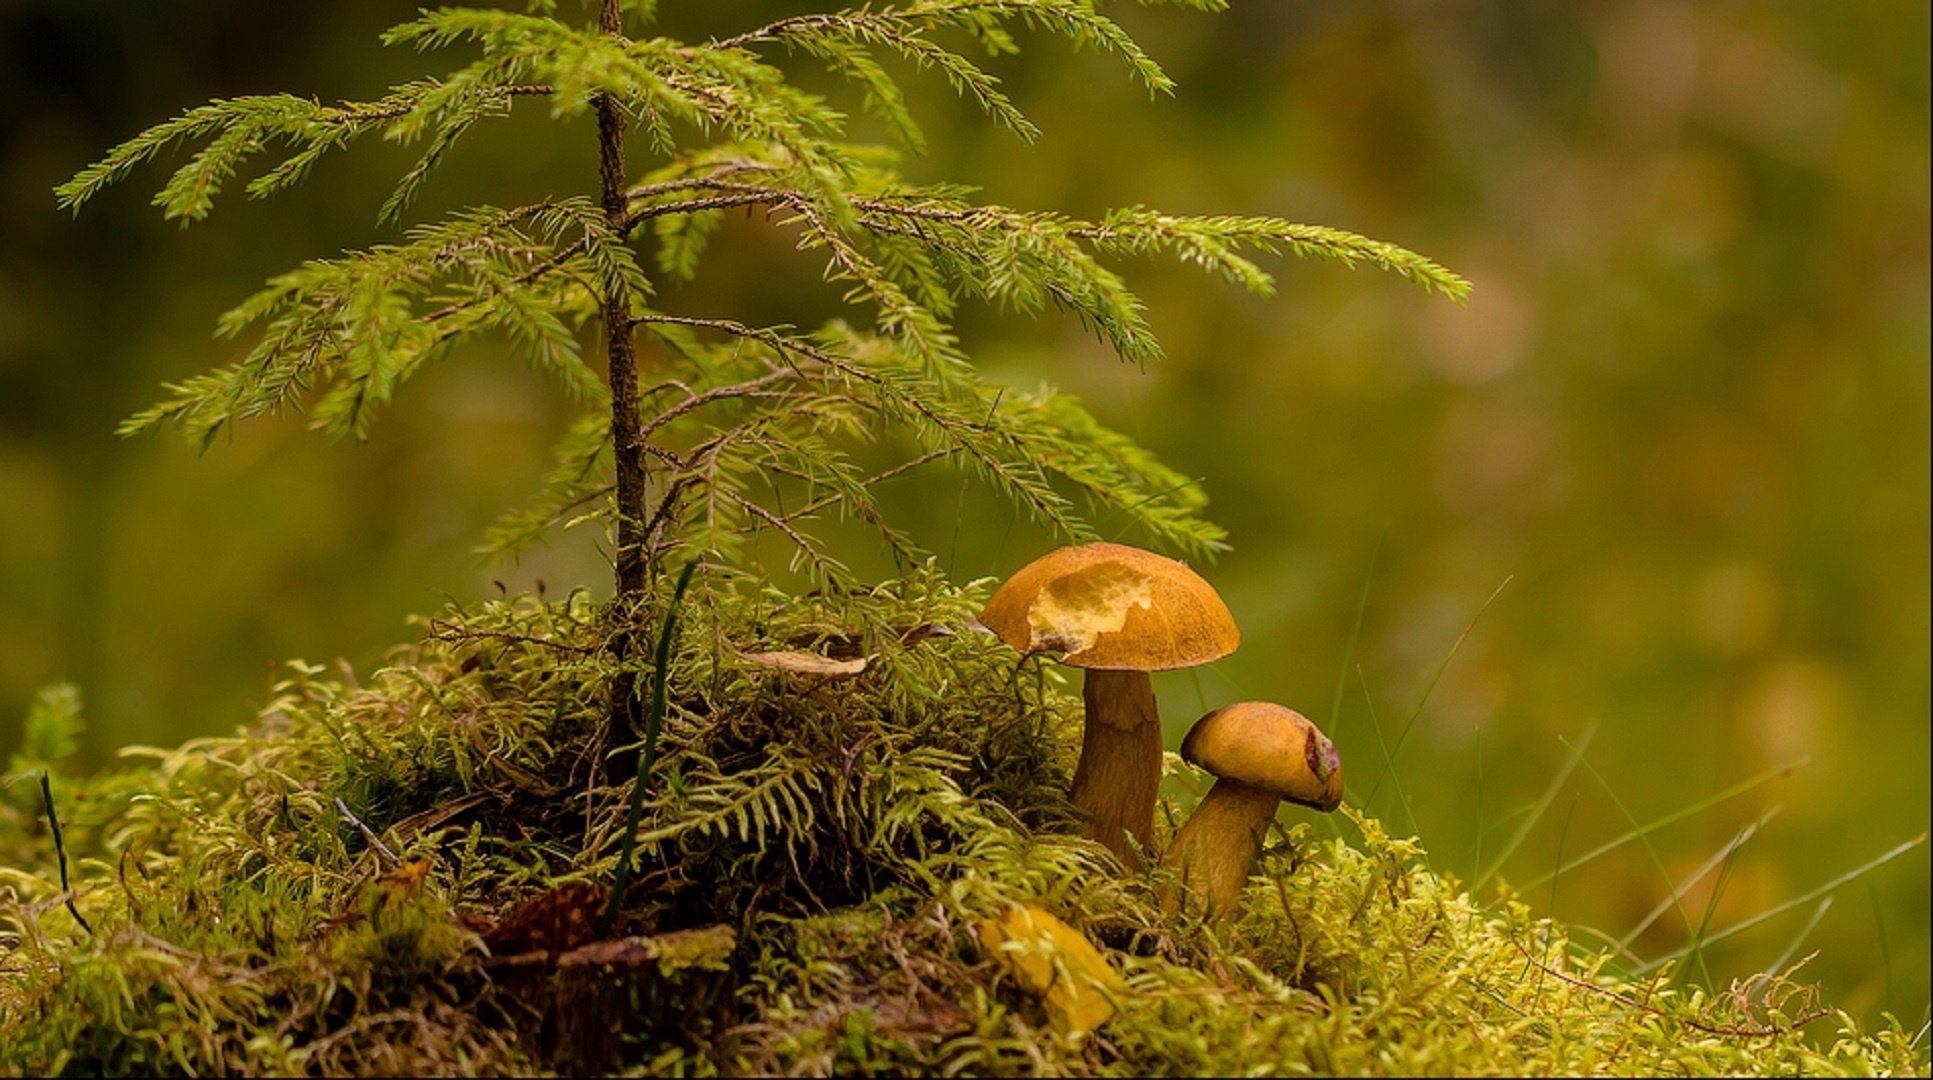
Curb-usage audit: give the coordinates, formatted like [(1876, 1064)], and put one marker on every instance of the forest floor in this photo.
[(411, 875)]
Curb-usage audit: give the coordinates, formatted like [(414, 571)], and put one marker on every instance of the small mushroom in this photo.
[(1056, 962), (1119, 613), (1260, 754)]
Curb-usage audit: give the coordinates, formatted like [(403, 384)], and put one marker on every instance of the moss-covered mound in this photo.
[(407, 877)]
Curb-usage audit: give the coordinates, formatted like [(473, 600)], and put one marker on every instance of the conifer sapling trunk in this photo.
[(627, 440)]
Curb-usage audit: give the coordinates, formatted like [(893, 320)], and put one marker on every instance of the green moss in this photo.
[(842, 834)]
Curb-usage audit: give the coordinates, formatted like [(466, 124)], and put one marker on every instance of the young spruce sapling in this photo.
[(689, 445)]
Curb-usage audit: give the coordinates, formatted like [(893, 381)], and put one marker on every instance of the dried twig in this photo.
[(60, 849), (374, 840)]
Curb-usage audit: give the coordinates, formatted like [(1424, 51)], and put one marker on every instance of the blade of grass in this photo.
[(1645, 841), (1885, 950), (1348, 655), (1355, 633), (1476, 861), (1506, 819), (1724, 852), (1551, 904), (1779, 909), (1543, 803), (959, 508), (1672, 818), (1711, 904), (1396, 782), (652, 722), (1389, 767), (1101, 523)]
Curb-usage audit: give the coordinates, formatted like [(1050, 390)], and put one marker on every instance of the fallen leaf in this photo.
[(806, 663), (557, 920), (403, 882), (1056, 962)]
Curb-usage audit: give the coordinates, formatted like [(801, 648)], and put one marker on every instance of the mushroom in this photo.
[(1260, 754), (1056, 962), (1119, 613)]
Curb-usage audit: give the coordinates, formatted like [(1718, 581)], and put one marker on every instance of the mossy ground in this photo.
[(816, 849)]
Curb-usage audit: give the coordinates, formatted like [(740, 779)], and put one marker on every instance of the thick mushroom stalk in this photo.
[(1259, 755), (1218, 844), (1118, 612), (1120, 766)]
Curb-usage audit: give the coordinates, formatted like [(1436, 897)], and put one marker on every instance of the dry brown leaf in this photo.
[(556, 920), (805, 663)]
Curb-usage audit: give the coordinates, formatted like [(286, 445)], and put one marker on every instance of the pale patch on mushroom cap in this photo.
[(1070, 613), (1112, 607), (1265, 745)]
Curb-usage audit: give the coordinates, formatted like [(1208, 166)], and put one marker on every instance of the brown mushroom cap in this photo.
[(1268, 746), (1112, 607)]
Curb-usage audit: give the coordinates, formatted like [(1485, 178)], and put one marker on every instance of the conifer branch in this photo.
[(776, 407)]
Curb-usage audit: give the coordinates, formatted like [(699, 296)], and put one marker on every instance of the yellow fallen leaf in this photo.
[(1057, 962)]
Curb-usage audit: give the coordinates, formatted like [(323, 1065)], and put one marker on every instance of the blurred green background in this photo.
[(1685, 413)]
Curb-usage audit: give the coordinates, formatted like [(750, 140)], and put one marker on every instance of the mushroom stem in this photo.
[(1120, 766), (1217, 846)]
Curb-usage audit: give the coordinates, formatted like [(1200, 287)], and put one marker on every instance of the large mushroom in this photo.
[(1119, 613), (1259, 754)]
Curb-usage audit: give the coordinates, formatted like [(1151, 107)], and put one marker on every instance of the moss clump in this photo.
[(317, 894)]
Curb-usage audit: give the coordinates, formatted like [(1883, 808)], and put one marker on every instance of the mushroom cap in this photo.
[(1112, 607), (1268, 746)]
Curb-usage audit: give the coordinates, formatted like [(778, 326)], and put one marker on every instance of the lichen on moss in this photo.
[(834, 837)]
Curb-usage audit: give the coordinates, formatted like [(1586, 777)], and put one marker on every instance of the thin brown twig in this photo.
[(824, 564), (375, 842), (876, 478), (748, 388)]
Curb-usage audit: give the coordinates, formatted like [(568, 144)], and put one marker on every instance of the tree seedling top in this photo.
[(726, 425)]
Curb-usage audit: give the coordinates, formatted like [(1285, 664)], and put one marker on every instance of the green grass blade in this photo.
[(1779, 909), (1562, 834), (1723, 854), (1389, 763), (652, 722), (1355, 633), (1396, 782), (1476, 734), (1885, 949), (1718, 892), (1543, 804), (1551, 906), (1644, 840), (1672, 818)]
